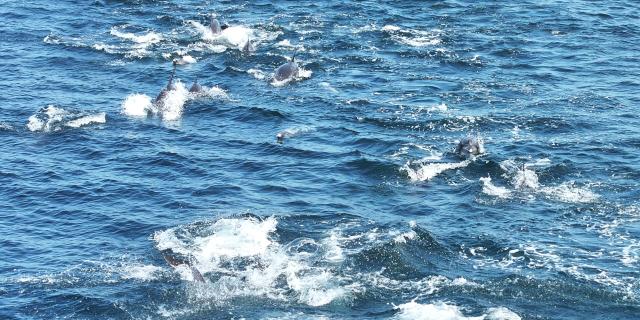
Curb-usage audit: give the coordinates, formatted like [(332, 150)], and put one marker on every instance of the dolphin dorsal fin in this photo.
[(173, 73)]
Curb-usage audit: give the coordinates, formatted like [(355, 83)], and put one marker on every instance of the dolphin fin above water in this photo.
[(196, 87), (170, 86), (248, 47)]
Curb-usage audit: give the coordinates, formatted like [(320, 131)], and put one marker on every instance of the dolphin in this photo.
[(170, 86), (175, 262), (280, 137), (248, 47), (215, 27), (287, 70), (469, 146), (196, 87)]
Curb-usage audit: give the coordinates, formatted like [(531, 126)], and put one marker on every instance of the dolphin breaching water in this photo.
[(287, 71), (215, 27), (470, 146)]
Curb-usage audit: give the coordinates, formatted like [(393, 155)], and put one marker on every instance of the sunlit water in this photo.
[(363, 211)]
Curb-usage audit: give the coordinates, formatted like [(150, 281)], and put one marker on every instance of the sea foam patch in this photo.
[(249, 261), (444, 311), (53, 118)]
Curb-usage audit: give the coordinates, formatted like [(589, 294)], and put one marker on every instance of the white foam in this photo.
[(258, 74), (236, 238), (403, 237), (54, 118), (568, 192), (287, 44), (233, 37), (526, 178), (440, 108), (5, 126), (172, 106), (412, 37), (328, 86), (51, 39), (137, 105), (252, 263), (186, 59), (147, 38), (105, 47), (443, 311), (216, 92), (90, 119), (430, 170), (140, 272), (493, 190), (390, 28), (501, 313), (630, 255), (294, 131)]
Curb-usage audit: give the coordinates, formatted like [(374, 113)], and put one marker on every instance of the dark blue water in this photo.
[(364, 212)]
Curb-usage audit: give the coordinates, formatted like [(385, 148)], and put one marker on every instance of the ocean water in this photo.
[(363, 211)]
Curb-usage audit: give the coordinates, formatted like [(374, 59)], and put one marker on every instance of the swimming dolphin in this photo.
[(175, 262), (214, 25), (196, 87), (287, 70), (469, 146), (170, 86), (248, 47)]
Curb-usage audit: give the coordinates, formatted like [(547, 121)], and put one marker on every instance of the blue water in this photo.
[(364, 211)]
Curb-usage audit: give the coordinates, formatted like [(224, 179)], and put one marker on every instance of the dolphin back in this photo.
[(285, 71)]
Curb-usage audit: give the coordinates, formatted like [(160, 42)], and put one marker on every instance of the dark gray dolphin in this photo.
[(196, 87), (287, 70), (170, 86), (469, 146), (215, 27), (175, 261)]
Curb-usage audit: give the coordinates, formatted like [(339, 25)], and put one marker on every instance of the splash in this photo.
[(138, 105), (412, 37), (492, 190), (429, 171), (295, 131), (233, 37), (301, 75), (146, 39), (52, 118), (443, 311), (172, 106), (248, 261)]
